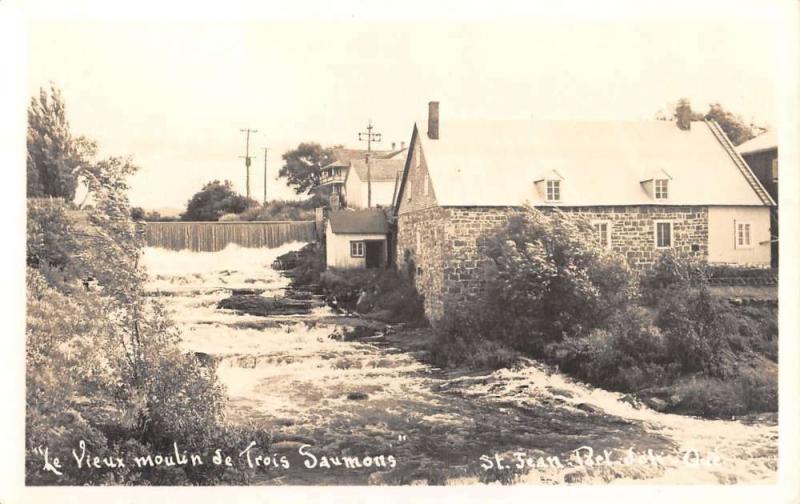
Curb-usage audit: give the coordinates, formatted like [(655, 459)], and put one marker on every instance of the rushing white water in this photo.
[(288, 375)]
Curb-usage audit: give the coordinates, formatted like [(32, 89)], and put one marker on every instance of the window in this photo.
[(775, 170), (553, 190), (661, 188), (602, 232), (425, 183), (356, 249), (663, 234), (743, 235), (417, 156)]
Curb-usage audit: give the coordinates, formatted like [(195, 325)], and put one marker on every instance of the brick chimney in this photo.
[(683, 114), (403, 144), (394, 144), (433, 120)]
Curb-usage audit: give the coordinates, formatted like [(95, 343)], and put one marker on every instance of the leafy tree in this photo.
[(137, 213), (301, 165), (214, 200), (54, 154), (734, 126), (102, 364)]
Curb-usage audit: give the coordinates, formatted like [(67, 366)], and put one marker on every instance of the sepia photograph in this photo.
[(377, 246)]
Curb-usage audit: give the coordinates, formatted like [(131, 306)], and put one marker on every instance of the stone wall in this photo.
[(633, 230), (421, 251), (464, 258), (451, 252)]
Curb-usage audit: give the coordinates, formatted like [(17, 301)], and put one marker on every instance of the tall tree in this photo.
[(734, 126), (215, 199), (54, 155), (301, 165)]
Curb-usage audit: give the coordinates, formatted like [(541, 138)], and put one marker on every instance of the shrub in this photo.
[(374, 290), (280, 210), (754, 390), (672, 272), (630, 355), (460, 340), (699, 329), (548, 279)]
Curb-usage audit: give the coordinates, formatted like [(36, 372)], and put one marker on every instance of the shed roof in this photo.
[(367, 221), (762, 142), (495, 163)]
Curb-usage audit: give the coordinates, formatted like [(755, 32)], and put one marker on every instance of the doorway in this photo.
[(374, 254)]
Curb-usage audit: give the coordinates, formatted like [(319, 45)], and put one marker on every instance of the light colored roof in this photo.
[(495, 163), (762, 142), (382, 170), (368, 221), (345, 155)]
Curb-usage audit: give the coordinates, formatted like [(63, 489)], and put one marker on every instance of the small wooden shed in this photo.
[(356, 239)]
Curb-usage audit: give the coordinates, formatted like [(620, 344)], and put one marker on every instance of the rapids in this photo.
[(377, 397)]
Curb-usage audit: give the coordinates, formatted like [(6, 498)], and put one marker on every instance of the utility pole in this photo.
[(246, 156), (369, 137), (265, 175)]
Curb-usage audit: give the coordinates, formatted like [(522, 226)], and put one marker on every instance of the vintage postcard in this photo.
[(331, 251)]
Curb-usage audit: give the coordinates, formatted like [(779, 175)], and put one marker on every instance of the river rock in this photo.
[(246, 292), (357, 396), (655, 403), (590, 408), (263, 306), (287, 261)]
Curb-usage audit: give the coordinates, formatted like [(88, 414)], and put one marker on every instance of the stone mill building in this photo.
[(647, 186)]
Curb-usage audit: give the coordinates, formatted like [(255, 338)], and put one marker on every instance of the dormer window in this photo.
[(661, 189), (553, 190)]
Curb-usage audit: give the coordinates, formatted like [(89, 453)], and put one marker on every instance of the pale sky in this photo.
[(174, 94)]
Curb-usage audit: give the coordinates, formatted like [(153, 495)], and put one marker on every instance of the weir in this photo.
[(215, 236)]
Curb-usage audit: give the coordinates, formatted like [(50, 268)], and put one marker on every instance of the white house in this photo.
[(356, 239), (361, 185)]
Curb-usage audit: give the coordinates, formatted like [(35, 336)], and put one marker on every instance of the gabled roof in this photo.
[(382, 170), (494, 163), (346, 155), (763, 142), (367, 221)]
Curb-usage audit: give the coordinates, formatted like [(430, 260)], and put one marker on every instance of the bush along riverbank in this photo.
[(385, 295), (553, 294)]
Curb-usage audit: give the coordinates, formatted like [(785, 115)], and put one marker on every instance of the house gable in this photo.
[(417, 190)]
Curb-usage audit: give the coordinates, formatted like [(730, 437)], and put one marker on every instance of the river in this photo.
[(404, 422)]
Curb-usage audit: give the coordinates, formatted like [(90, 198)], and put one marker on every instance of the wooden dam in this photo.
[(215, 236)]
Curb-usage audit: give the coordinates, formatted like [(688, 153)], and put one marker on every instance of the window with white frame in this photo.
[(775, 170), (553, 192), (602, 233), (743, 235), (661, 188), (356, 249), (663, 233)]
